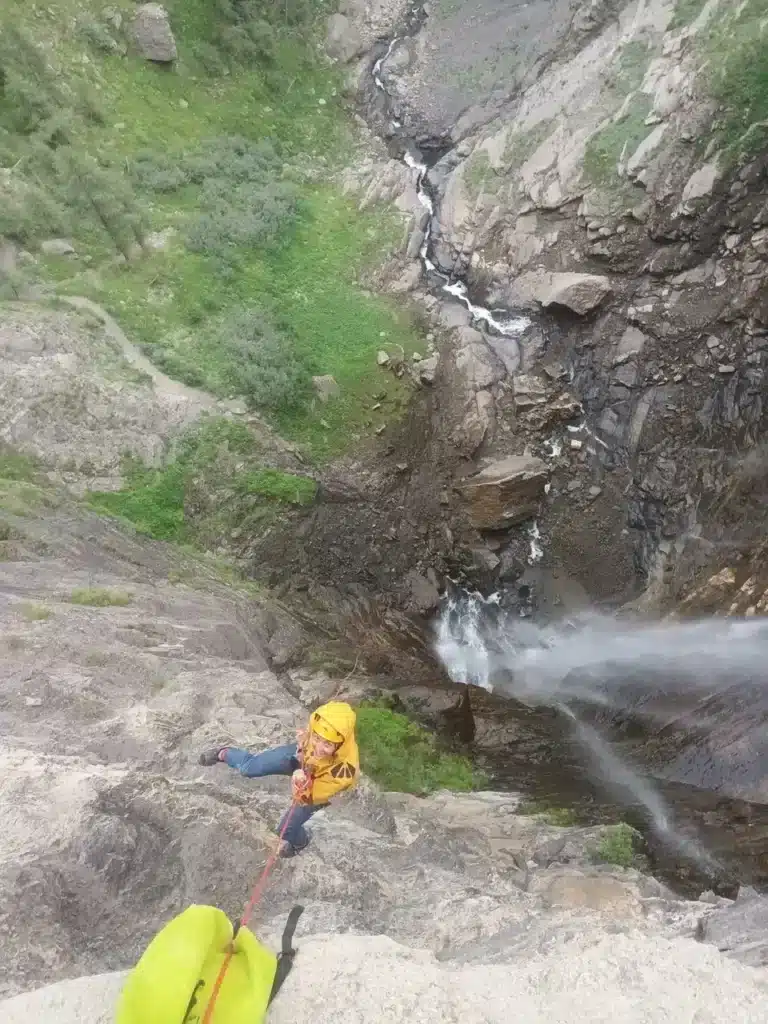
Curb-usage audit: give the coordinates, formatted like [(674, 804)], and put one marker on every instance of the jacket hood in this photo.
[(336, 714)]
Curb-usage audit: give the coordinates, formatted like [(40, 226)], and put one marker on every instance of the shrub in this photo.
[(35, 612), (617, 845), (402, 756), (278, 486), (261, 364), (98, 597)]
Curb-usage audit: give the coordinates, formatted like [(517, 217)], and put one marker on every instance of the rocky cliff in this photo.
[(599, 169), (123, 658)]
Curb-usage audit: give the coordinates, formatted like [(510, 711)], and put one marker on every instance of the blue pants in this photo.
[(277, 761)]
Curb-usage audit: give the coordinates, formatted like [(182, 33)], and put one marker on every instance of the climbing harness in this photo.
[(256, 895)]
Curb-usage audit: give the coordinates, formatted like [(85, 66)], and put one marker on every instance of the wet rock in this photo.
[(528, 390), (740, 929), (506, 492), (423, 595), (152, 34), (580, 293), (427, 368), (326, 387), (477, 363)]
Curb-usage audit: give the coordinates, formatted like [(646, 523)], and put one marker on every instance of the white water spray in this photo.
[(660, 671)]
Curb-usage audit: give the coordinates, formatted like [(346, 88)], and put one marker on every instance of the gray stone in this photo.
[(528, 390), (630, 344), (326, 387), (423, 595), (741, 929), (506, 492), (427, 368), (152, 34), (382, 357), (57, 247), (580, 293), (343, 40)]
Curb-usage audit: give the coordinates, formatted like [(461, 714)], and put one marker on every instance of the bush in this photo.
[(617, 845), (243, 202), (216, 460), (402, 756), (97, 597), (261, 364), (275, 485)]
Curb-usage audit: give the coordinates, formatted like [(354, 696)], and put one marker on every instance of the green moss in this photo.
[(686, 11), (98, 597), (521, 145), (478, 175), (605, 148), (275, 485), (633, 61), (617, 845), (34, 612), (737, 77), (403, 757), (562, 817), (16, 466)]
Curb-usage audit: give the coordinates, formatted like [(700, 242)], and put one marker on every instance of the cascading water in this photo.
[(507, 325), (595, 665)]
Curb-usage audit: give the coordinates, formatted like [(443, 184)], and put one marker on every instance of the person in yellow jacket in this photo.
[(322, 763)]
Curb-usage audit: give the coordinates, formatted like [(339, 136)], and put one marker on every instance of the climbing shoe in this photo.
[(288, 850), (211, 757)]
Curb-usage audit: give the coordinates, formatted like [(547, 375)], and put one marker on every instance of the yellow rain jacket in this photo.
[(334, 721)]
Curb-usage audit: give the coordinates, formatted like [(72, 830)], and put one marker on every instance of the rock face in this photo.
[(109, 826), (362, 979), (153, 35), (578, 292), (506, 493)]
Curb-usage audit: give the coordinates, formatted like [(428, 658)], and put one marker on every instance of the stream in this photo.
[(617, 721)]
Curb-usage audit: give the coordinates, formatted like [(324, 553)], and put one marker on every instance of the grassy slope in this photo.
[(307, 283)]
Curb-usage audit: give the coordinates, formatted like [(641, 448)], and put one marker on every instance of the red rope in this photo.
[(258, 889)]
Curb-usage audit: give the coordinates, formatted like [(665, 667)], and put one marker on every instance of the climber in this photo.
[(322, 763)]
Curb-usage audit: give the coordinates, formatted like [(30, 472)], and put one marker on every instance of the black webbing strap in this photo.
[(287, 953)]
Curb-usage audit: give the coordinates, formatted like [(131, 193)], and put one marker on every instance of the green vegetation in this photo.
[(257, 288), (617, 845), (632, 64), (686, 11), (479, 176), (16, 466), (213, 483), (98, 597), (521, 145), (736, 46), (605, 148), (403, 757), (34, 612), (562, 817)]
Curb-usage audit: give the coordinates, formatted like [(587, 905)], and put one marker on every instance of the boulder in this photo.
[(326, 387), (152, 34), (343, 40), (580, 293), (506, 492), (57, 247), (740, 929)]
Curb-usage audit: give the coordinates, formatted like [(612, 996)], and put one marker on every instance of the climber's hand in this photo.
[(300, 784)]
